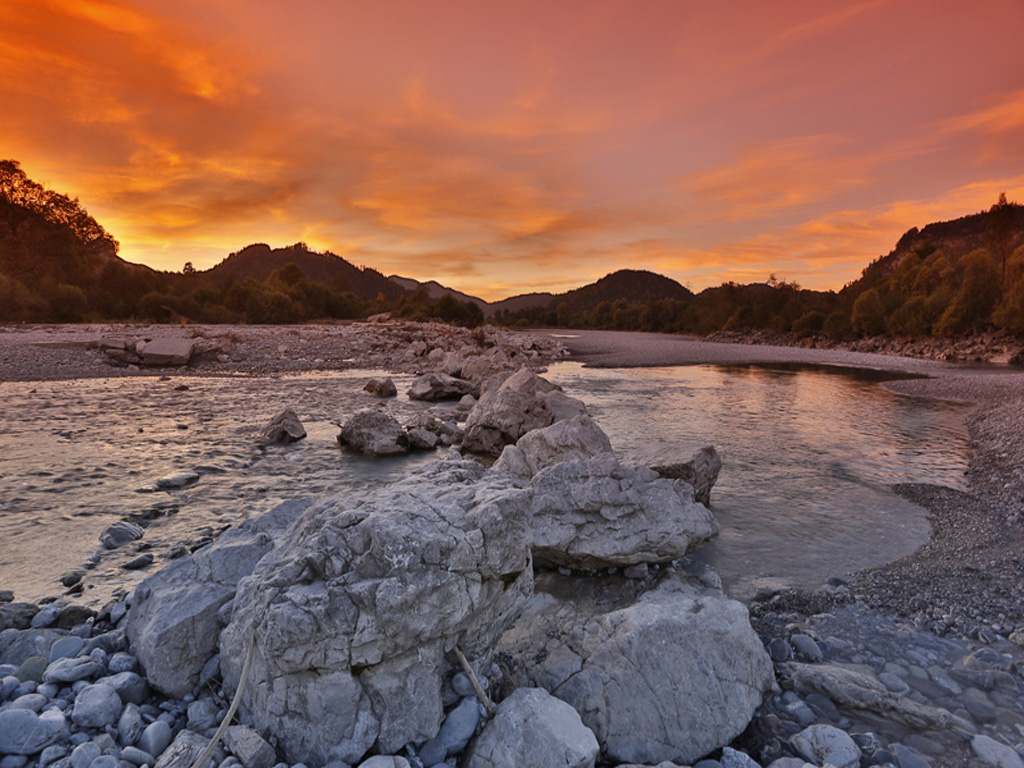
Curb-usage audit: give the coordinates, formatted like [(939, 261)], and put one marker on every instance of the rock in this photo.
[(167, 352), (83, 755), (599, 513), (140, 562), (70, 670), (695, 463), (155, 738), (352, 614), (465, 405), (820, 744), (385, 761), (733, 758), (202, 716), (435, 387), (908, 758), (130, 726), (422, 439), (667, 670), (994, 753), (96, 706), (524, 401), (32, 701), (18, 645), (47, 616), (32, 669), (129, 686), (852, 689), (136, 756), (17, 615), (456, 731), (381, 387), (575, 438), (806, 648), (184, 751), (532, 729), (174, 623), (121, 532), (177, 480), (66, 648), (374, 433), (285, 427), (23, 732), (249, 747)]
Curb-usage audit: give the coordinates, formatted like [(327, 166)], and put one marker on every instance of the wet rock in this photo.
[(532, 729), (821, 744), (599, 513), (381, 387), (695, 463), (664, 671), (434, 387), (119, 533), (177, 480), (577, 438), (524, 401), (174, 622), (374, 433), (422, 439), (351, 615), (167, 352), (285, 427)]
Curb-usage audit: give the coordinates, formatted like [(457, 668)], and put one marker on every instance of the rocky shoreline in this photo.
[(912, 664)]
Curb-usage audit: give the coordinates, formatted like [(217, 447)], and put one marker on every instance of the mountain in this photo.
[(259, 261), (520, 302), (434, 290)]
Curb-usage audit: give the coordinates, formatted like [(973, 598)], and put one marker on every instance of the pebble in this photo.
[(155, 738), (142, 561)]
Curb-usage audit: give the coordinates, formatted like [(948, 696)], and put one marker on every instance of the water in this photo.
[(808, 458), (803, 495)]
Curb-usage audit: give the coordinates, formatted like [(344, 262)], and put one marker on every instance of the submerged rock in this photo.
[(440, 386), (285, 427), (381, 387), (670, 672), (351, 616), (374, 433)]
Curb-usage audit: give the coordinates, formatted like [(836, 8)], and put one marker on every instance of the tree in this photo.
[(868, 316), (188, 269)]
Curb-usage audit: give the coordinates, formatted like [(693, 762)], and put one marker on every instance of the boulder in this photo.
[(119, 533), (533, 729), (174, 623), (285, 427), (434, 387), (350, 618), (96, 706), (575, 438), (23, 732), (249, 747), (374, 433), (167, 352), (184, 751), (669, 670), (822, 744), (696, 463), (596, 513), (522, 402), (381, 387)]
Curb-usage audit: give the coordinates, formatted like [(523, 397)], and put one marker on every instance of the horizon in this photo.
[(520, 148)]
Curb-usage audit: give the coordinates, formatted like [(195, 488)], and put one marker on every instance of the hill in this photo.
[(433, 290)]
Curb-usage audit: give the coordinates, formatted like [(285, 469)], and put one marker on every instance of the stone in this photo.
[(458, 728), (351, 616), (994, 753), (83, 755), (96, 706), (140, 562), (119, 533), (599, 513), (374, 433), (130, 726), (249, 747), (285, 427), (155, 738), (66, 648), (177, 480), (70, 670), (661, 670), (184, 751), (533, 729), (167, 352), (202, 716), (385, 761), (47, 616), (422, 439), (523, 401), (908, 758), (733, 758), (17, 615), (136, 756), (130, 687), (23, 732), (434, 387), (577, 438), (381, 387), (696, 463), (806, 648), (822, 743), (17, 645), (32, 701), (174, 621)]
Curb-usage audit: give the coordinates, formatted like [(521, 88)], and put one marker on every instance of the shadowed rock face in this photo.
[(351, 616), (664, 672)]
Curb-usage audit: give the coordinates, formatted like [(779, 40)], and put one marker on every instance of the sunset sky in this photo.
[(505, 147)]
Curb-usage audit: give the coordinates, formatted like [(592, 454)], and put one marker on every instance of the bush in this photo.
[(868, 317)]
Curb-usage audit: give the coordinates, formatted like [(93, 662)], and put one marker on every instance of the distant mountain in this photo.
[(259, 261), (632, 285), (434, 290), (522, 301)]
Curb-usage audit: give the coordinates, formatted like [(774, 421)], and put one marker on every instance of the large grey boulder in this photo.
[(375, 433), (285, 427), (696, 463), (173, 624), (434, 387), (522, 402), (533, 729), (575, 438), (167, 352), (823, 744), (597, 513), (350, 618), (23, 732), (669, 671)]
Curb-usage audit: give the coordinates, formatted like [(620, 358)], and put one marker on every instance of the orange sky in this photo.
[(505, 147)]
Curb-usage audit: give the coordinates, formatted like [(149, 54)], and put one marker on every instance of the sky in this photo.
[(508, 147)]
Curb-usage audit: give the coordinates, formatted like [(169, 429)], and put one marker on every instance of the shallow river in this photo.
[(808, 455)]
